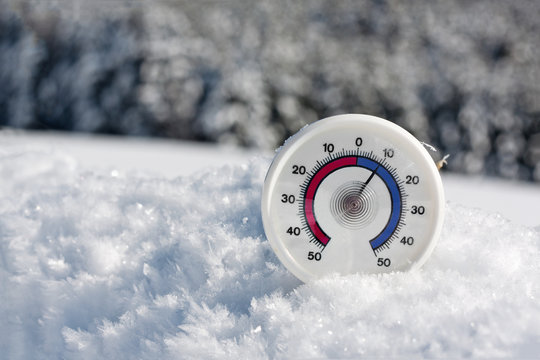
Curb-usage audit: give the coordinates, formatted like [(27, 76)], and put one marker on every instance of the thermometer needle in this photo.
[(357, 201), (363, 186)]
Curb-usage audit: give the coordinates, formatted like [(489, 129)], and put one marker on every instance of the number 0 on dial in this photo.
[(352, 194)]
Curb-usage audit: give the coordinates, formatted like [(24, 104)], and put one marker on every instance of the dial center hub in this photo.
[(353, 205)]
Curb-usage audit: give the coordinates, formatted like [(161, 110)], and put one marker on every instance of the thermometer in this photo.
[(352, 194)]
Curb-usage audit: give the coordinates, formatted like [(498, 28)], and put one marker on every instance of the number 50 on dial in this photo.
[(352, 193)]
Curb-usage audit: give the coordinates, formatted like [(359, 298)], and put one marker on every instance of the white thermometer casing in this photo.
[(352, 194)]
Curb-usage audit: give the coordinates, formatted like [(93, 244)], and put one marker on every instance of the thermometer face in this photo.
[(352, 193)]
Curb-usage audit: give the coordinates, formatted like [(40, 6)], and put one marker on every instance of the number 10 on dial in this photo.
[(352, 194)]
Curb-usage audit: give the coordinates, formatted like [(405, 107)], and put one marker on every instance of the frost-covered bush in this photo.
[(464, 76), (57, 73)]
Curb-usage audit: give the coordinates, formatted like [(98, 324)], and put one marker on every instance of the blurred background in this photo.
[(461, 75)]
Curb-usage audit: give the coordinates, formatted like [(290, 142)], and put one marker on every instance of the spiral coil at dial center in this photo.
[(353, 205)]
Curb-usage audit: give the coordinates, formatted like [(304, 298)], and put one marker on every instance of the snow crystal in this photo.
[(117, 265)]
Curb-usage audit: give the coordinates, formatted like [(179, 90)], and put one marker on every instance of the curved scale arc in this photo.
[(313, 184)]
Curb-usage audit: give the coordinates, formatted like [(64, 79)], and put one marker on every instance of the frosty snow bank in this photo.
[(111, 265)]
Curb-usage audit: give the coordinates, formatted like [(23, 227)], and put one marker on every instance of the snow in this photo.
[(141, 155), (517, 201), (101, 262)]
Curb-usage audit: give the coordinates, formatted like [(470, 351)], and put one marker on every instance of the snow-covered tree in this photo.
[(463, 76)]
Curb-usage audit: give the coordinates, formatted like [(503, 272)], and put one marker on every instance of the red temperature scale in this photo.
[(352, 194)]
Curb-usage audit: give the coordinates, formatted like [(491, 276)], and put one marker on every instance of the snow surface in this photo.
[(516, 200), (115, 264)]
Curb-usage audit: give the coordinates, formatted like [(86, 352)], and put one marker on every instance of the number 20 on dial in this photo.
[(352, 194)]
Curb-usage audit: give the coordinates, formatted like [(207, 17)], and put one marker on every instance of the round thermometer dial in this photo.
[(352, 193)]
